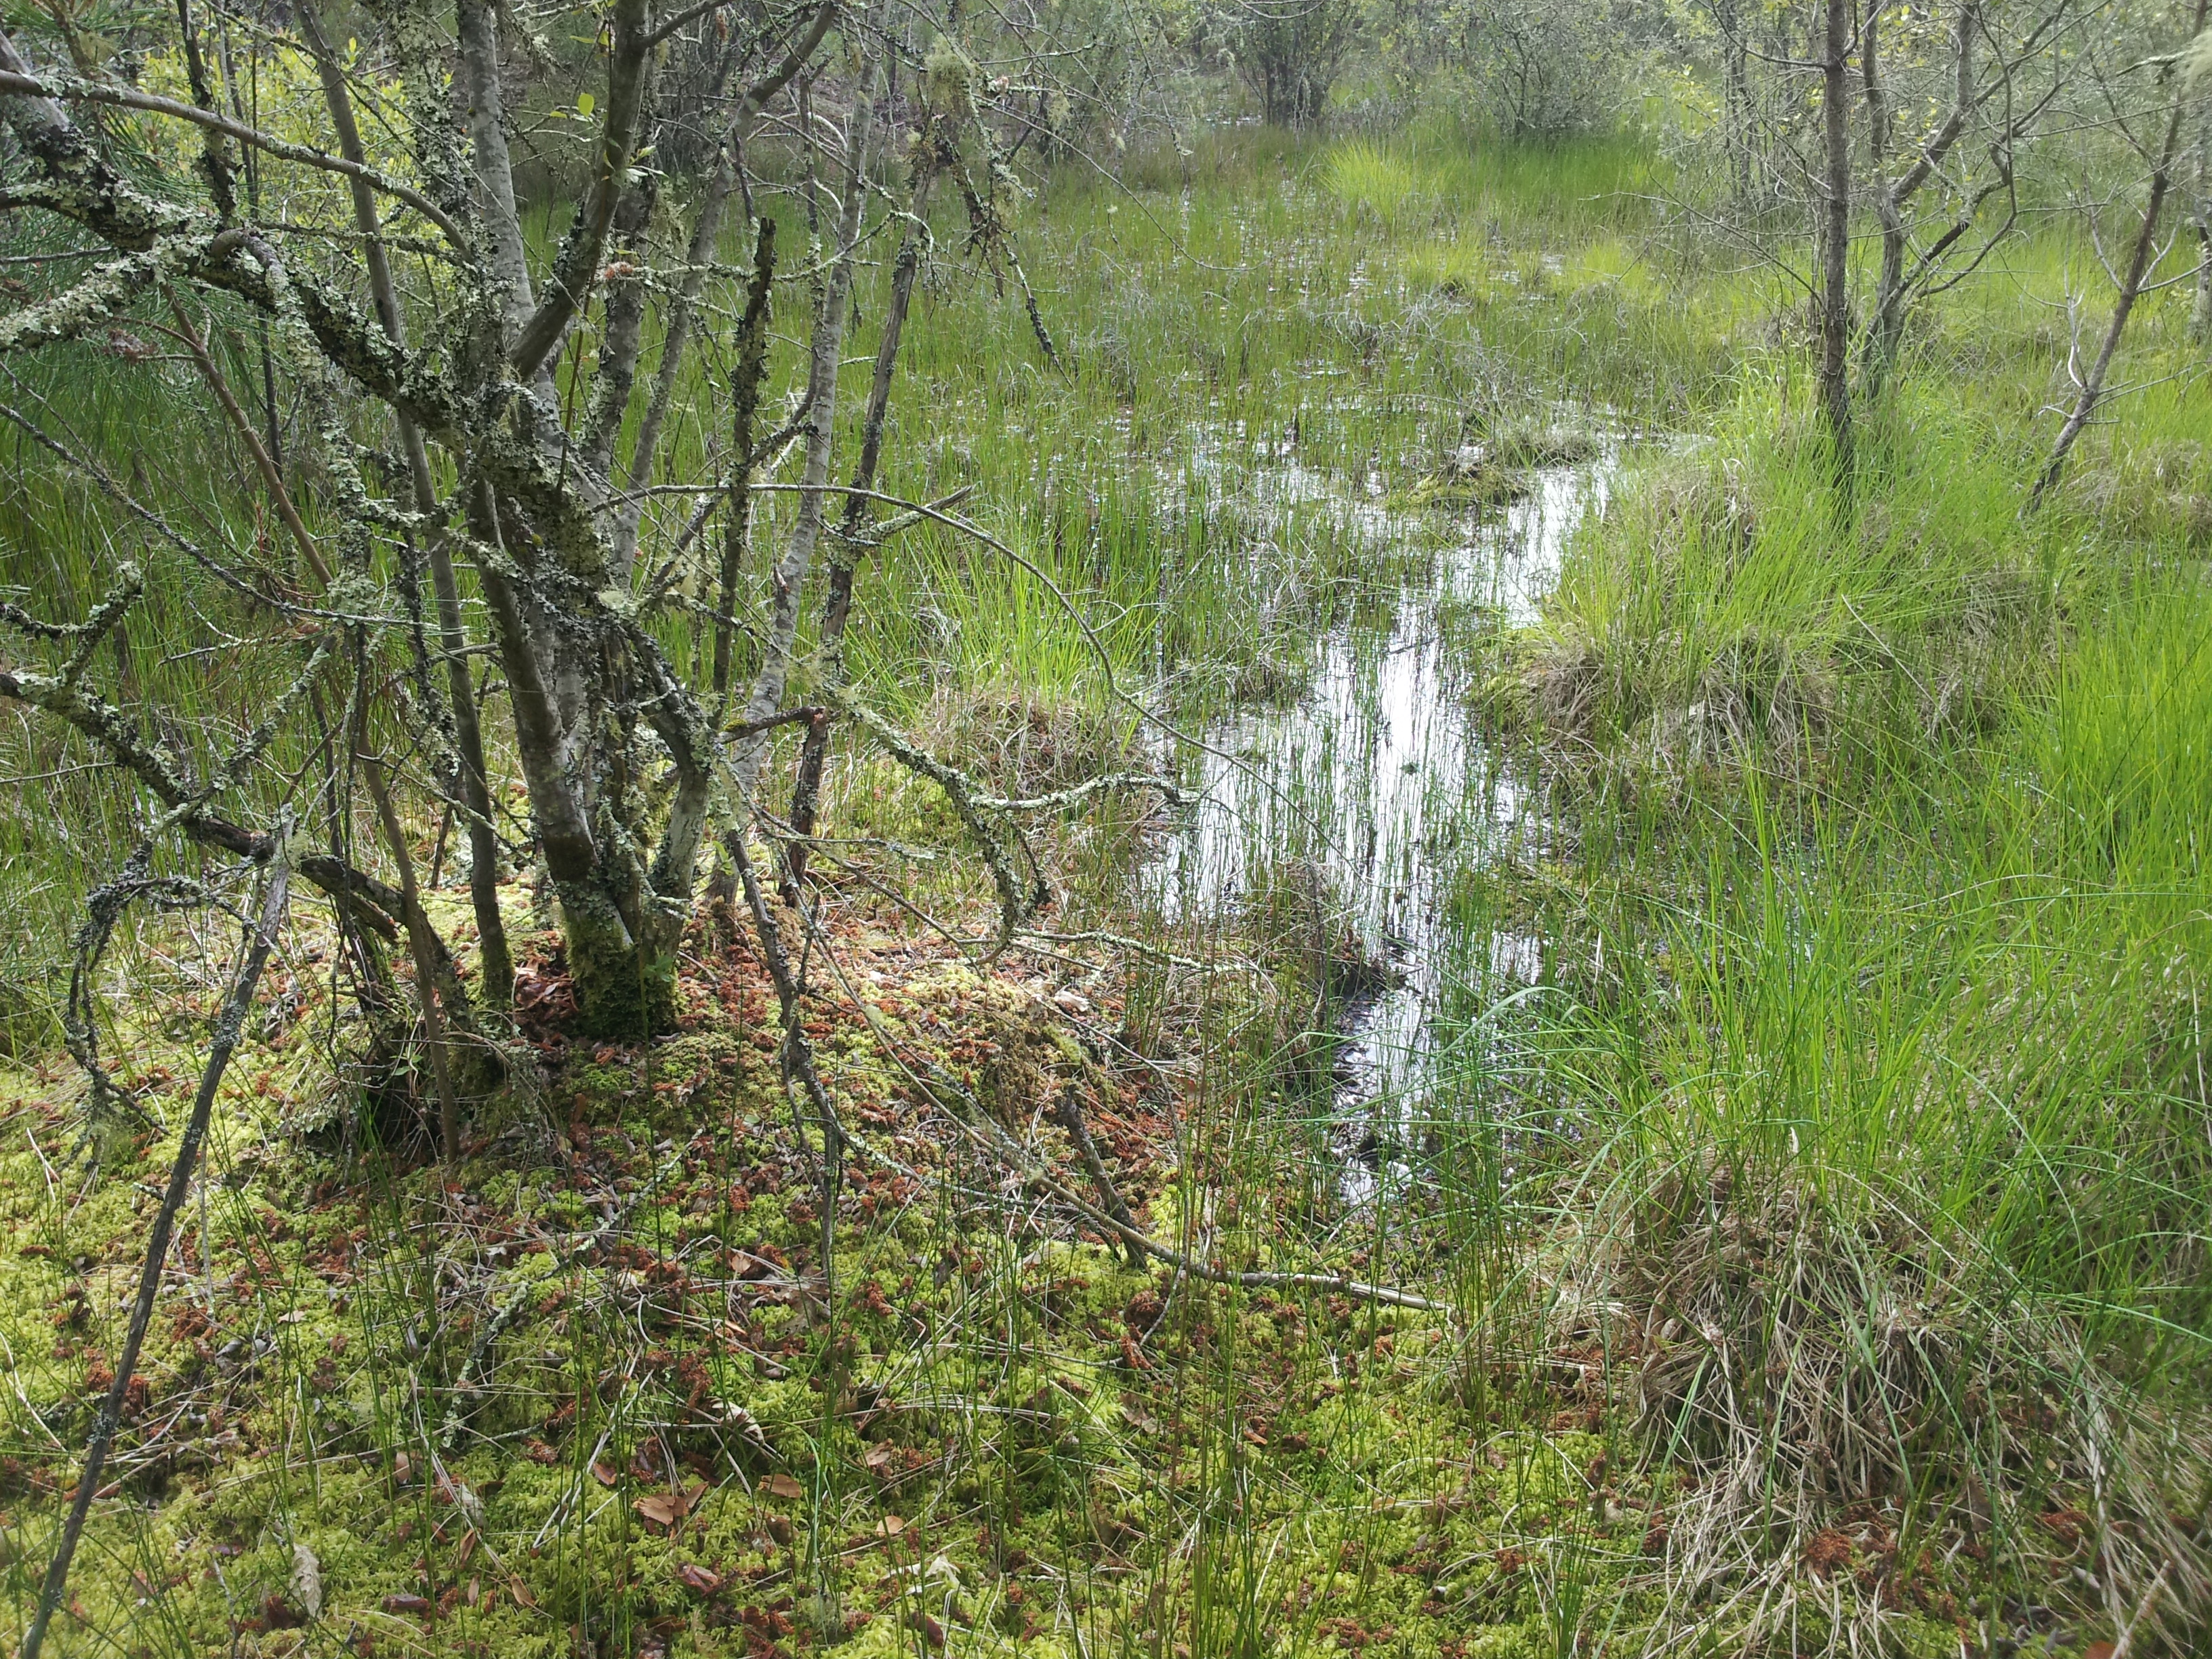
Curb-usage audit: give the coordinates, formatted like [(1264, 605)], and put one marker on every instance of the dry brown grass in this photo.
[(1854, 1399)]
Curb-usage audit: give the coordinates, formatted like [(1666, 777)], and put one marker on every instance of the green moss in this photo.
[(625, 988)]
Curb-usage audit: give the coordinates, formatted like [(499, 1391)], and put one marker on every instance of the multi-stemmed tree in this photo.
[(484, 419)]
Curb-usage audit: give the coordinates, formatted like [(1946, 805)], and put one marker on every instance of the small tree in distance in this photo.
[(1290, 52)]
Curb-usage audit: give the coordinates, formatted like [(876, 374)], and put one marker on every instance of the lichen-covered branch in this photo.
[(1014, 901)]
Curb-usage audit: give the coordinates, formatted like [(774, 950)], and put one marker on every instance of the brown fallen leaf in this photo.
[(782, 1485), (704, 1580), (931, 1629), (891, 1526), (659, 1509), (606, 1474), (520, 1592), (307, 1581), (418, 1605), (2101, 1650), (538, 1452)]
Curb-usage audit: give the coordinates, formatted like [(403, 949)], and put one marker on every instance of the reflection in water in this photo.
[(1377, 777)]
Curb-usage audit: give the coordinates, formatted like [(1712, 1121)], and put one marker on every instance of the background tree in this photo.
[(1914, 120), (1546, 69), (1290, 52)]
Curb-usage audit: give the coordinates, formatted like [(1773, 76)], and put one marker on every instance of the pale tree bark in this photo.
[(1907, 276), (1736, 102), (622, 330), (826, 347), (706, 232), (846, 546), (577, 263), (746, 381), (422, 945), (478, 28), (2200, 305), (620, 920), (586, 678), (1885, 324), (496, 975), (2090, 392), (547, 676)]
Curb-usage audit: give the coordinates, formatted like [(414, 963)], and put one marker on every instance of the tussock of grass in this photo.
[(1499, 463), (1732, 603), (1367, 176)]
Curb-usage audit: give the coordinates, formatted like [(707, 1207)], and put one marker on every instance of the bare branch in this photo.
[(13, 79)]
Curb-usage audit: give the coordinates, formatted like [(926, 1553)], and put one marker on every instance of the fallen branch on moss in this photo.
[(971, 1112), (1067, 1112)]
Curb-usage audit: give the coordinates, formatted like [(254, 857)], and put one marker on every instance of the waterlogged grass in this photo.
[(1873, 985), (1896, 1102)]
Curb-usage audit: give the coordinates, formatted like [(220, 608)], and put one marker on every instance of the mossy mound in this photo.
[(600, 1388)]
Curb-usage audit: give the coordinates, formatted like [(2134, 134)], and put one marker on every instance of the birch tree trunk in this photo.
[(496, 975), (832, 308), (2200, 307), (490, 471), (845, 551), (1884, 332), (2091, 391)]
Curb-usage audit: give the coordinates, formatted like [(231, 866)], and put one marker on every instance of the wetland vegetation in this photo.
[(1273, 830)]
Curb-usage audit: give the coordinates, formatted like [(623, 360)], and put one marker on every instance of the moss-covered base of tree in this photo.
[(625, 985)]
